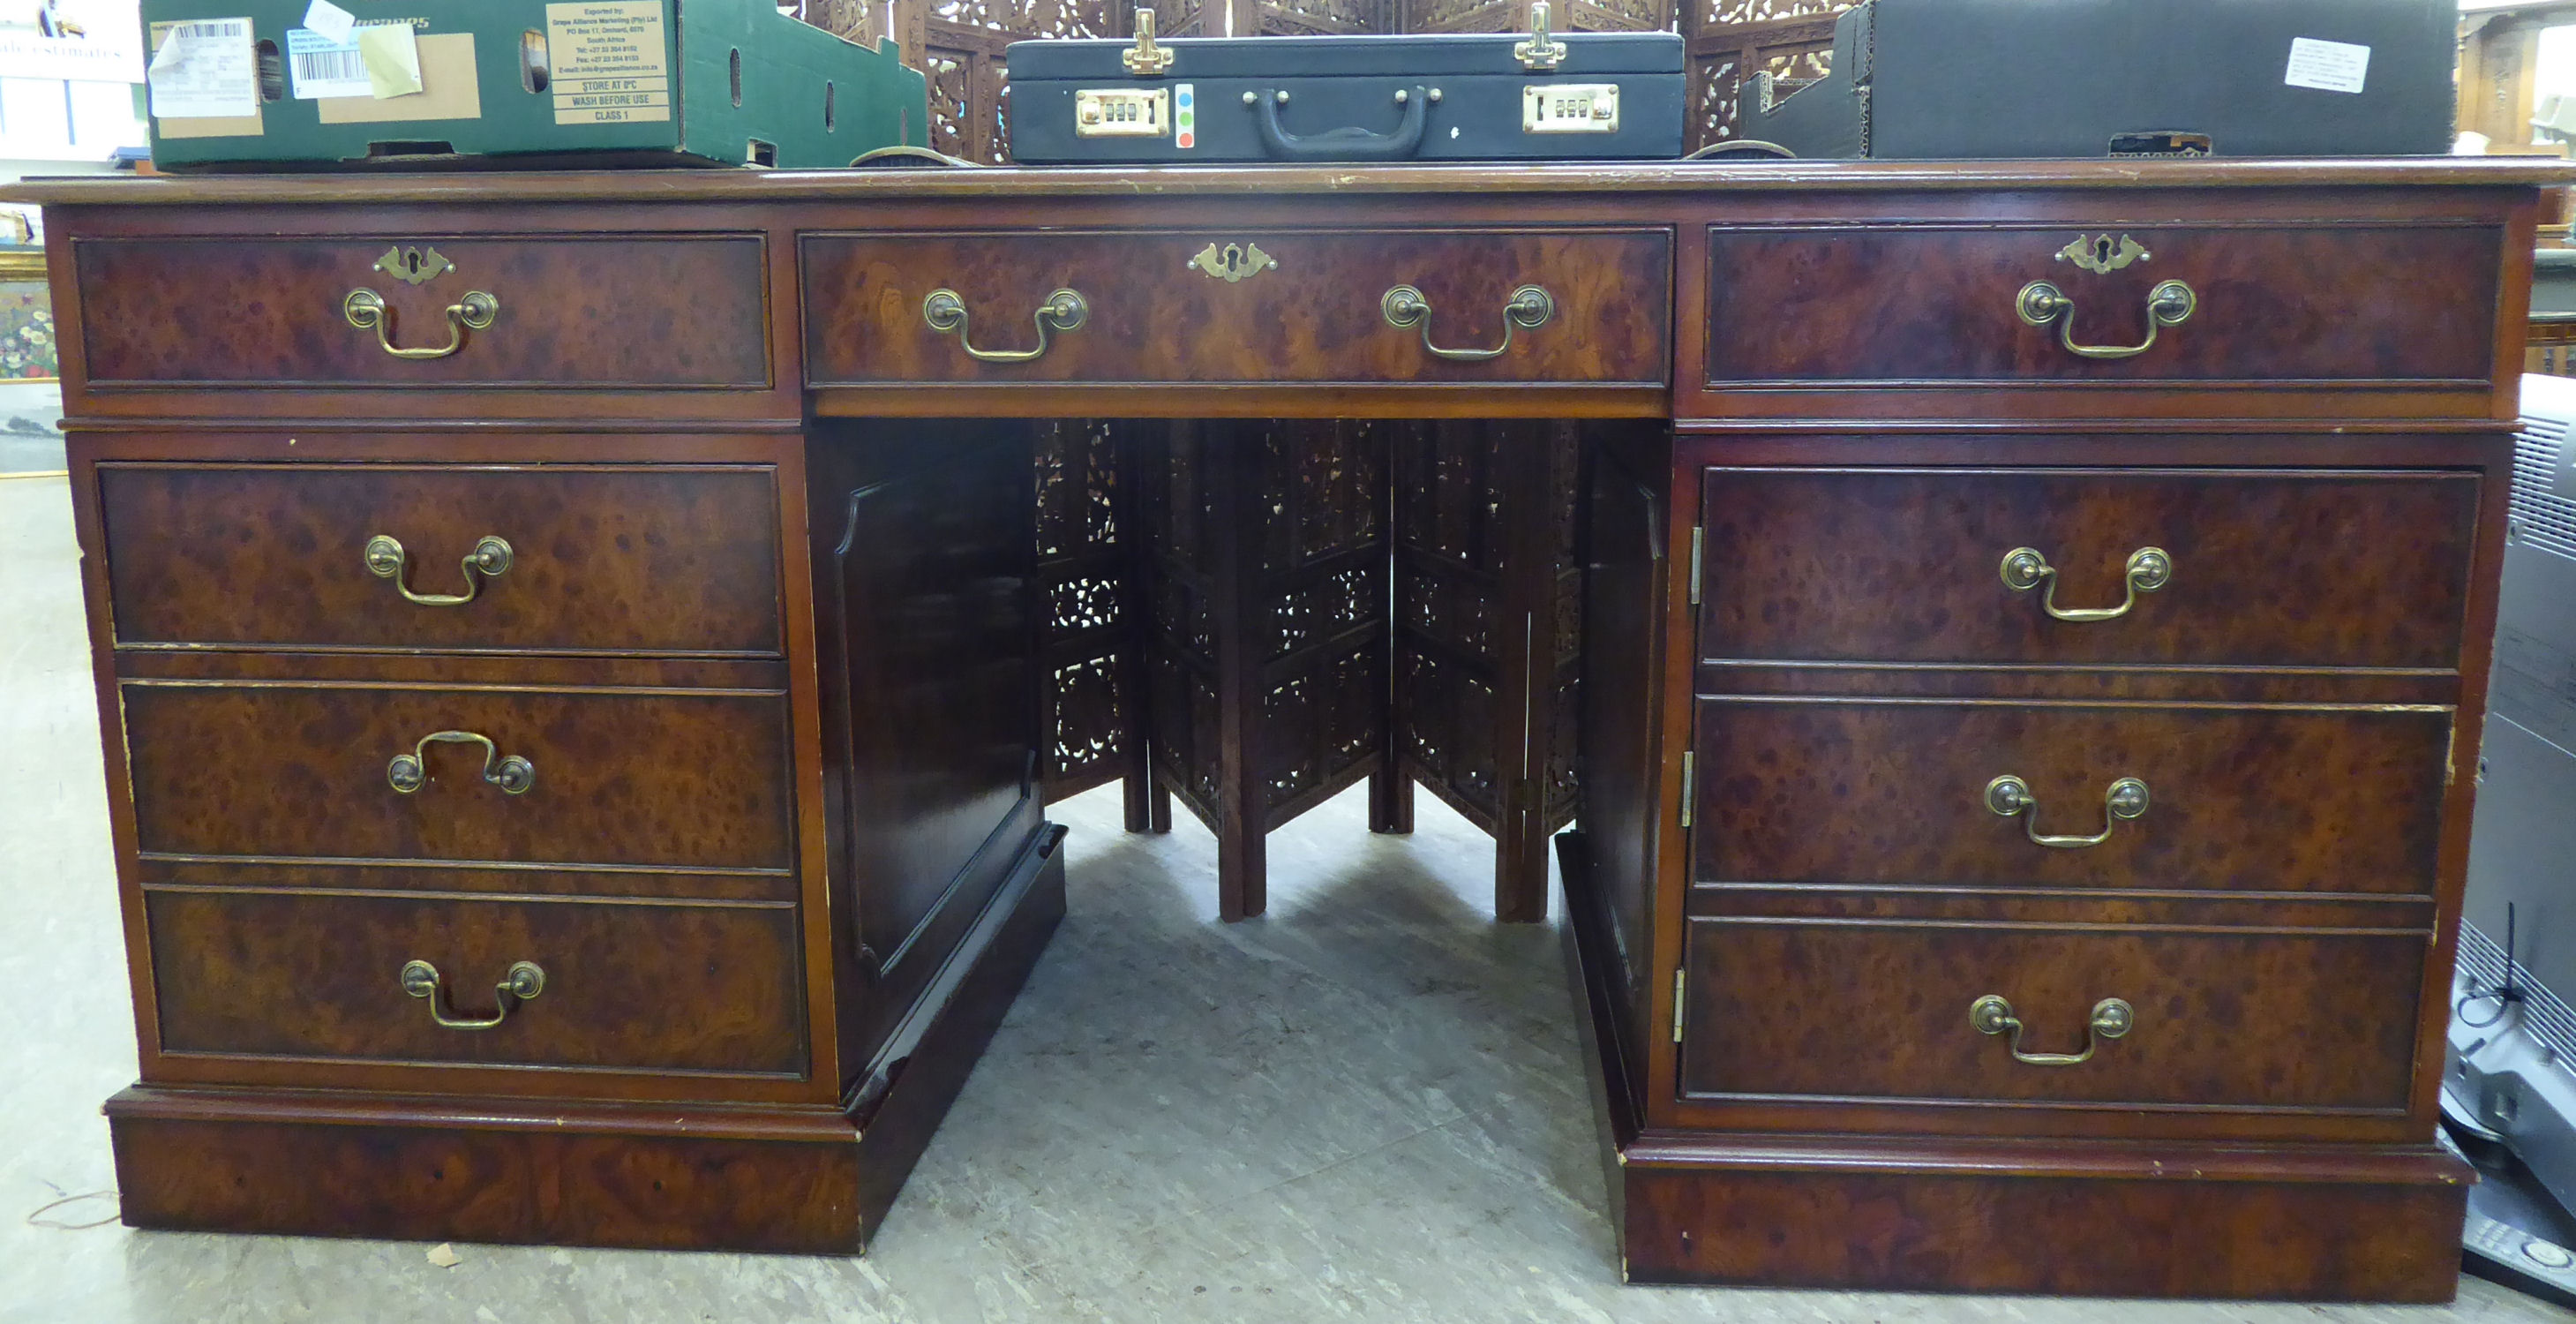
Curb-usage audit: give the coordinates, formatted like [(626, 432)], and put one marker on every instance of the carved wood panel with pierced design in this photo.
[(1178, 515), (1514, 15), (1289, 625), (1320, 581), (1094, 667), (1313, 17), (862, 21), (1730, 39), (1487, 629), (1189, 18), (958, 46)]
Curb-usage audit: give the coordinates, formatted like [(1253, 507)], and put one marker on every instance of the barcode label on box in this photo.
[(323, 67), (210, 29), (203, 69)]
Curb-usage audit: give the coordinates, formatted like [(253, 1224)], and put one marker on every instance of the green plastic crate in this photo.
[(531, 83)]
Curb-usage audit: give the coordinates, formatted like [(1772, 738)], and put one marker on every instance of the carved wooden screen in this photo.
[(1730, 40), (1302, 17), (1488, 582), (1087, 563), (862, 21), (958, 45), (1267, 664), (1513, 15), (1189, 18)]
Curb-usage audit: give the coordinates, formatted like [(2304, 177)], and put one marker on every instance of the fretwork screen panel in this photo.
[(1487, 633), (1087, 550), (1732, 39), (1292, 617)]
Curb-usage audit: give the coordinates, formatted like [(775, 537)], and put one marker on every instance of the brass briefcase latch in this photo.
[(1541, 52), (1146, 59)]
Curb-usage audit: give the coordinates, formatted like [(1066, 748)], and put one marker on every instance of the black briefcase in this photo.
[(1916, 79), (1482, 97)]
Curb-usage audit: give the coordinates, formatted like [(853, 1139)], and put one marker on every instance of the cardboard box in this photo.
[(249, 85)]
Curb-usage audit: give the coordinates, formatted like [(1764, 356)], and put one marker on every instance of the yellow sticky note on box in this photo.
[(392, 57)]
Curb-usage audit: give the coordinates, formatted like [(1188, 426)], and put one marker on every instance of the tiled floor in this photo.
[(1366, 1106)]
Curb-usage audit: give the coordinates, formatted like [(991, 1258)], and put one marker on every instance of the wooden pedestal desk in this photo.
[(569, 655)]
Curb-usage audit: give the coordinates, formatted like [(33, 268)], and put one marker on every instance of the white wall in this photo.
[(76, 122)]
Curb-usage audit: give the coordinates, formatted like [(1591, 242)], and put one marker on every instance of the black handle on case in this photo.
[(1341, 144)]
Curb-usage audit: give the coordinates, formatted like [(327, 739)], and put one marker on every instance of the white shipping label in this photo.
[(321, 67), (203, 69), (330, 20), (611, 62), (2327, 66)]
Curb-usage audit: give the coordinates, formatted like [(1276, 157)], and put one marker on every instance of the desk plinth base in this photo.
[(1975, 1214), (665, 1176)]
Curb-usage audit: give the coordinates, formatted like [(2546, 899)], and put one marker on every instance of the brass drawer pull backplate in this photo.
[(1064, 310), (366, 310), (524, 981), (2169, 304), (2024, 569), (489, 560), (2010, 796), (2112, 1018), (514, 775), (1529, 309)]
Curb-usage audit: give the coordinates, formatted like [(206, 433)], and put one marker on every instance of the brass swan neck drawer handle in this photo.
[(1064, 310), (2009, 796), (2169, 304), (489, 559), (366, 310), (514, 775), (524, 981), (1529, 309), (2024, 569), (2112, 1018)]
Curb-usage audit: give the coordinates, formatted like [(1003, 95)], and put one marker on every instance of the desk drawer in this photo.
[(2217, 1020), (1150, 313), (650, 313), (2236, 798), (673, 780), (643, 559), (619, 985), (2258, 568), (1940, 304)]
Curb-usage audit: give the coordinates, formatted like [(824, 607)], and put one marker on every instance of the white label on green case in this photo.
[(2327, 66)]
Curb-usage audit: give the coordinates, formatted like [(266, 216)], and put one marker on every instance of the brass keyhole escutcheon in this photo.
[(1234, 262), (414, 266)]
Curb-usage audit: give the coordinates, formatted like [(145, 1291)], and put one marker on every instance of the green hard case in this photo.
[(744, 85)]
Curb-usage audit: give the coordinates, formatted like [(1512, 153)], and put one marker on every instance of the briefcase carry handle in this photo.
[(1348, 144)]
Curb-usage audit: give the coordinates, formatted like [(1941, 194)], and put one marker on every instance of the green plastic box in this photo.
[(527, 83)]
